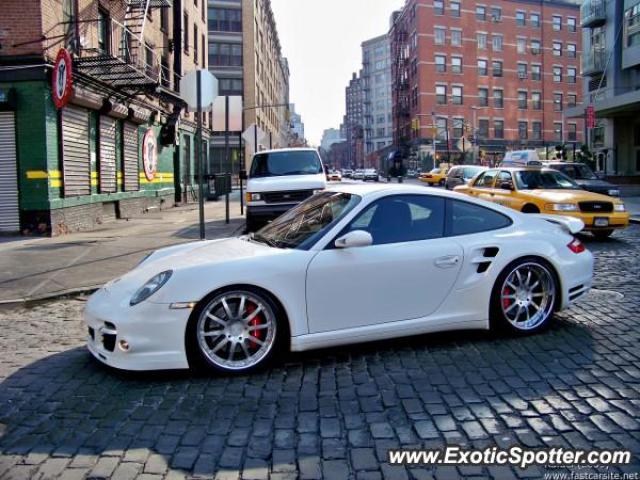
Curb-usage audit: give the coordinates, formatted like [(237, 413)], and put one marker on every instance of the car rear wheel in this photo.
[(524, 296), (235, 331), (602, 234)]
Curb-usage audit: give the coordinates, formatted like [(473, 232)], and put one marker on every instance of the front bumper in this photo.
[(268, 212), (616, 220), (155, 334)]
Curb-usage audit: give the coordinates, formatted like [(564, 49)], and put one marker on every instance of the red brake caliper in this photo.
[(505, 301), (257, 320)]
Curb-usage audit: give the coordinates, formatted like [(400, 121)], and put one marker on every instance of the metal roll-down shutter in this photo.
[(76, 161)]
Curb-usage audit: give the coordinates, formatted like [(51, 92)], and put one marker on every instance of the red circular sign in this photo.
[(62, 79), (149, 154)]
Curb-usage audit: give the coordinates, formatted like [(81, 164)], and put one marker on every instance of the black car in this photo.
[(584, 176)]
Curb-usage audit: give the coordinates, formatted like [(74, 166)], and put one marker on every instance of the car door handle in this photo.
[(447, 262)]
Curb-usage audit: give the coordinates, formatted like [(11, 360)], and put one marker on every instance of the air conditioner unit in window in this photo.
[(495, 19), (535, 50), (522, 75)]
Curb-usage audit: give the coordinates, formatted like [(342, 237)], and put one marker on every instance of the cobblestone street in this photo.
[(332, 413)]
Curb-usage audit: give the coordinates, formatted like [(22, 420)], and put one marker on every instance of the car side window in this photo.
[(486, 180), (402, 218), (504, 178), (464, 218)]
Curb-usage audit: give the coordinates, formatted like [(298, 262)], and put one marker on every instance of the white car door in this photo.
[(407, 272)]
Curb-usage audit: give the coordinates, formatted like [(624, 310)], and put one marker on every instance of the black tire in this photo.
[(500, 321), (530, 208), (198, 358), (252, 225), (441, 183), (602, 234)]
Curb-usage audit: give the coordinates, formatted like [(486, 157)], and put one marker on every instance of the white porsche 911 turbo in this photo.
[(354, 263)]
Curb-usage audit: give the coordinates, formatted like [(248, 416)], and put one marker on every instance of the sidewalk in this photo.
[(34, 268)]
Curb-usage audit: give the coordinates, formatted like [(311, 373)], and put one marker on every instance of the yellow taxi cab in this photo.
[(533, 189), (437, 176)]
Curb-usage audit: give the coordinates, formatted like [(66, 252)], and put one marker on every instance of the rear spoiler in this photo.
[(569, 224)]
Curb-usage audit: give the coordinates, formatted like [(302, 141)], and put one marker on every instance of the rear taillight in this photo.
[(576, 246)]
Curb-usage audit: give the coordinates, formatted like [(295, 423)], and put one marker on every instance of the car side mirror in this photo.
[(357, 238), (506, 186)]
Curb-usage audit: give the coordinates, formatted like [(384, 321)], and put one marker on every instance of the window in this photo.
[(185, 31), (497, 68), (571, 50), (402, 218), (557, 23), (504, 179), (483, 97), (456, 64), (230, 86), (571, 75), (522, 100), (456, 95), (535, 47), (536, 130), (455, 9), (441, 63), (483, 128), (557, 102), (438, 7), (458, 127), (498, 129), (481, 39), (522, 71), (571, 100), (496, 14), (521, 19), (536, 101), (439, 36), (536, 72), (486, 179), (498, 98), (164, 20), (441, 94), (534, 20), (522, 130), (571, 24), (557, 74), (225, 19), (441, 128), (572, 132), (225, 54), (456, 38), (521, 45), (497, 43), (104, 27), (481, 13), (557, 49), (195, 43), (482, 67), (557, 130), (631, 23)]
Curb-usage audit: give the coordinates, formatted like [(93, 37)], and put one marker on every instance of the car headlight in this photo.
[(254, 197), (154, 284), (614, 193), (619, 207), (562, 207)]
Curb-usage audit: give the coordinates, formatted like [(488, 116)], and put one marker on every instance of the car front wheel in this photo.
[(524, 297), (235, 331)]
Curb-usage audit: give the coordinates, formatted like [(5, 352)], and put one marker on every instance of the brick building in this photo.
[(500, 72), (124, 142)]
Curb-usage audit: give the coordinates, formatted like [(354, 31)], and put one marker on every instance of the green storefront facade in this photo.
[(58, 194)]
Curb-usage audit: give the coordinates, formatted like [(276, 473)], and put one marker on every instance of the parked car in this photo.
[(358, 174), (347, 173), (279, 180), (543, 190), (334, 176), (461, 174), (370, 174), (436, 176), (584, 176), (351, 264)]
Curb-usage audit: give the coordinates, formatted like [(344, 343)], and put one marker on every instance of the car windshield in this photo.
[(578, 171), (272, 164), (469, 172), (548, 179), (435, 170), (303, 225)]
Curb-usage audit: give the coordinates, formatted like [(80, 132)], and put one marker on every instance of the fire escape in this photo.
[(116, 53), (401, 98)]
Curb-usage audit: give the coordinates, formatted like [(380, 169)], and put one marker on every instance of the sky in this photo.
[(321, 39)]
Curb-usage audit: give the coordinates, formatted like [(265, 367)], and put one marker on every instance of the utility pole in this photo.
[(199, 155)]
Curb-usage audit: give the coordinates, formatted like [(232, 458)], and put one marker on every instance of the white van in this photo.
[(280, 179)]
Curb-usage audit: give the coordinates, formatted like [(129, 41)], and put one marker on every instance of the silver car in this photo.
[(461, 174)]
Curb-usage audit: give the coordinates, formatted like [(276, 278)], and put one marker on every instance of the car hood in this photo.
[(286, 183), (599, 185), (185, 256), (567, 196)]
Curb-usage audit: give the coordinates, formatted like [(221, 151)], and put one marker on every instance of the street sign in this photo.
[(149, 154), (591, 117), (62, 79), (254, 137), (235, 114), (208, 88)]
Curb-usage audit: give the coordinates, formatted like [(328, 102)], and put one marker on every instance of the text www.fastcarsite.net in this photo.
[(515, 456)]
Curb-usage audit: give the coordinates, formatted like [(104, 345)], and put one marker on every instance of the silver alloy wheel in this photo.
[(527, 296), (236, 330)]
